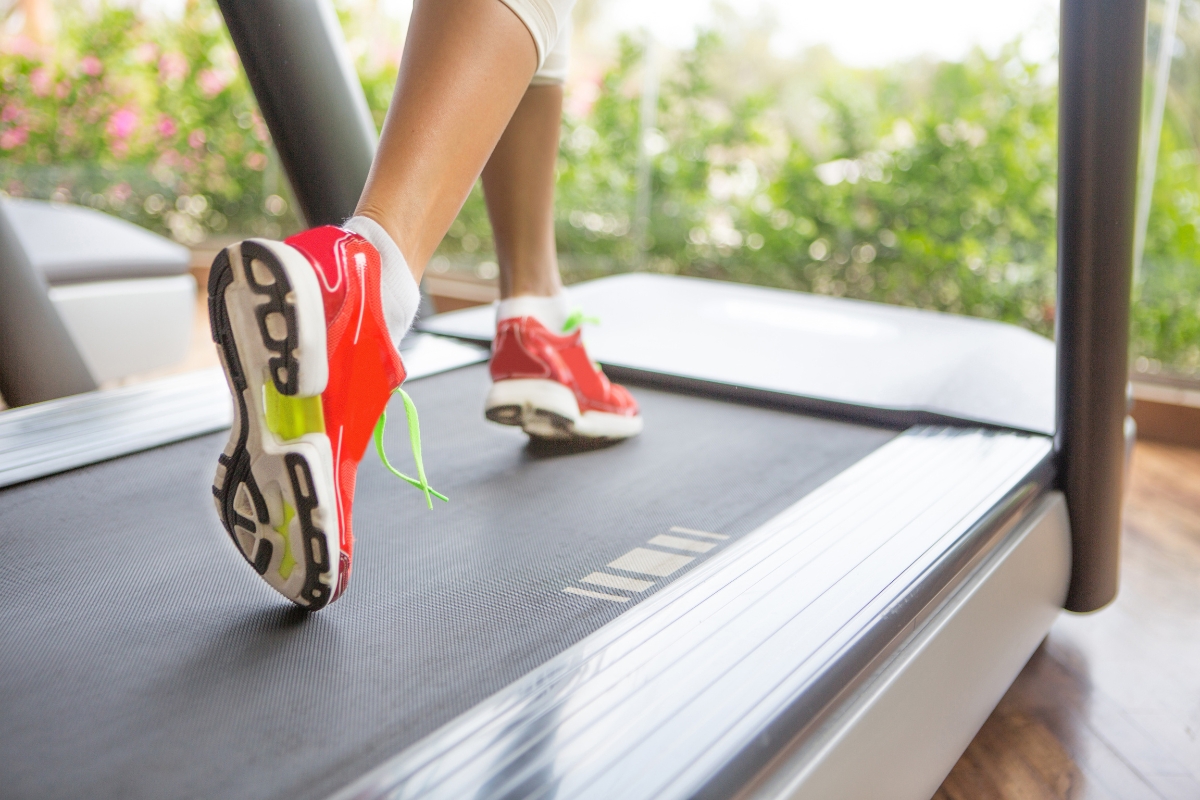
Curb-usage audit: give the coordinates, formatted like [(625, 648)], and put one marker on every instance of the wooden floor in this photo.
[(1109, 705)]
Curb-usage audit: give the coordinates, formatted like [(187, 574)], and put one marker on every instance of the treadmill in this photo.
[(813, 575)]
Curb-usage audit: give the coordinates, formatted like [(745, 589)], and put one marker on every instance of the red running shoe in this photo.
[(300, 332), (546, 384)]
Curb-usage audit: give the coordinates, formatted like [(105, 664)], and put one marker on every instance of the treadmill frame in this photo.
[(774, 739)]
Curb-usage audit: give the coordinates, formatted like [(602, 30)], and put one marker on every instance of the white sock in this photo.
[(550, 311), (400, 294)]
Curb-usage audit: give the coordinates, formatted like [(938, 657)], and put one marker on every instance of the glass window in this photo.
[(1165, 342), (142, 112), (902, 153)]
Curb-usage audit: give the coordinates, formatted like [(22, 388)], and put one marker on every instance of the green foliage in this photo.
[(942, 198), (922, 184), (1166, 309), (150, 120)]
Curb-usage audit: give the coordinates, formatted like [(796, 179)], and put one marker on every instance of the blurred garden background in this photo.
[(928, 181)]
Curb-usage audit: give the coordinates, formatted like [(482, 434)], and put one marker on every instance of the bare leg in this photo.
[(518, 183), (466, 66)]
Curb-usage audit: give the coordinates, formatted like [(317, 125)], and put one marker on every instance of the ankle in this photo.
[(399, 293), (551, 311), (397, 232)]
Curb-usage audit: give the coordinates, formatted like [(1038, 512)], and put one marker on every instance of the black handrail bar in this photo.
[(1101, 59), (295, 57)]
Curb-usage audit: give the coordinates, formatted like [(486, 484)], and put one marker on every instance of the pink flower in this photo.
[(91, 66), (211, 82), (120, 193), (63, 89), (256, 161), (197, 138), (11, 113), (166, 127), (20, 46), (173, 67), (122, 123), (145, 52), (41, 81), (580, 99), (258, 127), (14, 137)]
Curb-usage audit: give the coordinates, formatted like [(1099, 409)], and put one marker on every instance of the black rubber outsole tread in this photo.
[(557, 421), (284, 369), (237, 463), (315, 593), (515, 415), (505, 415)]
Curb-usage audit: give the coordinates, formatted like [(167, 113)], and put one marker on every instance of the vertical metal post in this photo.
[(310, 97), (1100, 90), (38, 358), (647, 122)]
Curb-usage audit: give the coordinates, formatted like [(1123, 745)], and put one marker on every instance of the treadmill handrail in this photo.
[(295, 57), (1099, 119)]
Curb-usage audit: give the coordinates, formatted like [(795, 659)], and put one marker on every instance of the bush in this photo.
[(149, 120), (922, 184), (941, 199)]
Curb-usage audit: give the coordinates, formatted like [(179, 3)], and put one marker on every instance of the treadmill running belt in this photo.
[(140, 657)]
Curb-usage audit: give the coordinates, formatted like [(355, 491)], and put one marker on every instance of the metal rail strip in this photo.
[(70, 432)]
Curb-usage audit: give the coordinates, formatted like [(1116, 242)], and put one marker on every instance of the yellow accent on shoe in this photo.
[(289, 418), (288, 562)]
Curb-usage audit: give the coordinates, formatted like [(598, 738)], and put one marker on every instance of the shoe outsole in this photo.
[(274, 498), (537, 422), (546, 409)]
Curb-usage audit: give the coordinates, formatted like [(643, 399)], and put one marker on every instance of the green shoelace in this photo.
[(573, 321), (414, 438), (576, 319)]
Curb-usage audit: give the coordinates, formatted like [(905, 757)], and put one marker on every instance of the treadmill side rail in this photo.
[(919, 712), (693, 691), (58, 435)]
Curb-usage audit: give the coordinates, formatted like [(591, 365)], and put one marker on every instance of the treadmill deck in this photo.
[(141, 657)]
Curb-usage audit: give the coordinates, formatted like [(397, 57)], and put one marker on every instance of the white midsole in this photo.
[(310, 316), (539, 394)]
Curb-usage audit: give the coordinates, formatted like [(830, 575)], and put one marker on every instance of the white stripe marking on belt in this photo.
[(694, 532), (651, 562), (598, 595), (680, 543), (617, 582)]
